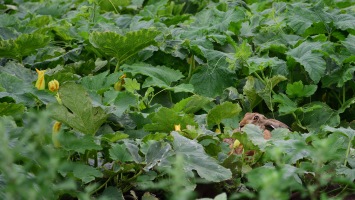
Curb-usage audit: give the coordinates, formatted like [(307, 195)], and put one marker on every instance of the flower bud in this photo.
[(55, 134), (53, 85), (40, 83)]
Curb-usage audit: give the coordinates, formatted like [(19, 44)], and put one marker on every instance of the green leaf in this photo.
[(312, 61), (349, 43), (346, 105), (101, 81), (266, 92), (165, 119), (195, 158), (348, 132), (81, 171), (213, 79), (24, 45), (111, 193), (249, 91), (71, 142), (297, 89), (256, 136), (191, 104), (131, 85), (222, 111), (156, 153), (122, 102), (345, 21), (77, 110), (159, 76), (322, 115), (300, 18), (119, 152), (243, 52), (123, 47), (339, 76), (114, 137), (347, 172), (11, 109), (286, 105)]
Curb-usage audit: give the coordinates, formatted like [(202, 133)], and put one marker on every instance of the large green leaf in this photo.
[(11, 109), (24, 45), (349, 43), (300, 18), (222, 111), (345, 21), (157, 152), (210, 80), (255, 135), (214, 19), (316, 118), (71, 142), (265, 92), (81, 171), (159, 76), (77, 110), (312, 61), (286, 105), (191, 104), (100, 81), (123, 47), (119, 152), (195, 158), (121, 102), (165, 119), (297, 89), (249, 90)]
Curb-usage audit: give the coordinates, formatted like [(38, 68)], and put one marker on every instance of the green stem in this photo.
[(191, 67), (96, 161), (348, 151), (117, 66), (344, 98), (101, 186), (155, 95), (114, 7), (336, 96)]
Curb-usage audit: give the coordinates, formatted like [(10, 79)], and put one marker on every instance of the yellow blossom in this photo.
[(40, 83), (53, 85), (236, 143), (119, 84), (177, 127), (55, 134)]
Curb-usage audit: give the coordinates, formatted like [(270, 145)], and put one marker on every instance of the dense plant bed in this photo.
[(138, 99)]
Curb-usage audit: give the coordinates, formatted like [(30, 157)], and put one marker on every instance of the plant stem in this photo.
[(114, 7), (117, 66), (101, 186), (191, 67), (344, 94), (348, 151)]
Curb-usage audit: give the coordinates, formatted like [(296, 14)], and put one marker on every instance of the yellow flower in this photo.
[(40, 83), (236, 143), (55, 134), (119, 84), (53, 85), (177, 127)]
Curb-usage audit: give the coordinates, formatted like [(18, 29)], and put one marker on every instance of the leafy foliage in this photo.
[(77, 110), (151, 93)]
